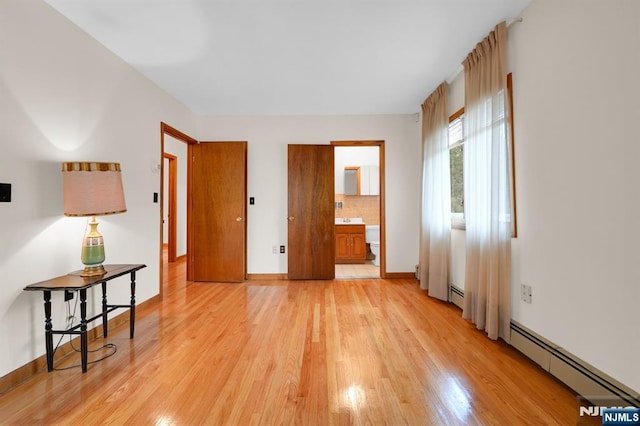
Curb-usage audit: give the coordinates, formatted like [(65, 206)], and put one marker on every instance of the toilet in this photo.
[(372, 236)]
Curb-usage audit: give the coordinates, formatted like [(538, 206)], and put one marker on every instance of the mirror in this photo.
[(352, 181)]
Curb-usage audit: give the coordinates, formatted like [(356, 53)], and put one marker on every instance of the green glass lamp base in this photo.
[(93, 252)]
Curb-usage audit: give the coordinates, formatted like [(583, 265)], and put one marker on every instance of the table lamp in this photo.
[(92, 189)]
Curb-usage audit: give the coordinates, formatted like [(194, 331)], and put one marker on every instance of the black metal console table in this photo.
[(73, 282)]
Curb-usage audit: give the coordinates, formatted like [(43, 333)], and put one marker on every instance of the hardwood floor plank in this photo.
[(348, 351)]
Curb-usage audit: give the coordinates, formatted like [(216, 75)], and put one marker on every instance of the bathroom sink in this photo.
[(349, 221)]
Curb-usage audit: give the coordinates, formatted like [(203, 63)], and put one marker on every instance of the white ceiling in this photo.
[(270, 57)]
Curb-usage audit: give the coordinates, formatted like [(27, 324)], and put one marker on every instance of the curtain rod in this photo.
[(514, 21)]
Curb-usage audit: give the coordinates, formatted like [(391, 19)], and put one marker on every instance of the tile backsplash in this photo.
[(365, 206)]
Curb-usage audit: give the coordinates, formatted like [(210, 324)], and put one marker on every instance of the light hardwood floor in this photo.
[(357, 270), (365, 351)]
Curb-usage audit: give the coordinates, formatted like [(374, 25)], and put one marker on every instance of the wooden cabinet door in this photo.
[(342, 246), (311, 233), (358, 247), (218, 211)]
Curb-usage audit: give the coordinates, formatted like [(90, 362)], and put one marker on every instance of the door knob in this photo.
[(239, 219), (291, 218)]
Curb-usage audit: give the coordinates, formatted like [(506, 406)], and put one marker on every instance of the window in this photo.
[(456, 156)]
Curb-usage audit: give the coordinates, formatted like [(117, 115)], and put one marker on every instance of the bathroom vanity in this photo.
[(351, 246)]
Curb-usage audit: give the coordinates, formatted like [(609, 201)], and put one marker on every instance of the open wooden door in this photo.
[(311, 230), (218, 218)]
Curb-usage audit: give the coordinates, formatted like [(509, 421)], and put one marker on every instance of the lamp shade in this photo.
[(92, 189)]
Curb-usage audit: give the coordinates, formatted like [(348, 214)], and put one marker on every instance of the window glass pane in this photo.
[(455, 131), (456, 155)]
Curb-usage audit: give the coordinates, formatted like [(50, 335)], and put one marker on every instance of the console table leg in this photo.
[(47, 329), (104, 309), (132, 310), (84, 344)]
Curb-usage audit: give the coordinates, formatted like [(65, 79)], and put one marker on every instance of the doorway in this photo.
[(174, 193), (359, 203), (170, 206)]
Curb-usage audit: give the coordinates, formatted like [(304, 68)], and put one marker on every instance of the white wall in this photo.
[(64, 97), (267, 176), (179, 149), (575, 74)]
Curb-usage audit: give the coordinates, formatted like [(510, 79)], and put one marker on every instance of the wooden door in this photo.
[(311, 230), (219, 182)]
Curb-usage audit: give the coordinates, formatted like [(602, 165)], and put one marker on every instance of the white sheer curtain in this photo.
[(436, 196), (487, 293)]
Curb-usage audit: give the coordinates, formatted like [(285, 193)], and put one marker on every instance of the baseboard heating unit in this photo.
[(456, 296), (589, 382)]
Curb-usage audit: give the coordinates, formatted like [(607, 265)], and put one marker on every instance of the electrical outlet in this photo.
[(281, 249), (274, 249), (525, 293)]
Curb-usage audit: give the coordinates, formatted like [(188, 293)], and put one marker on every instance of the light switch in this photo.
[(5, 192)]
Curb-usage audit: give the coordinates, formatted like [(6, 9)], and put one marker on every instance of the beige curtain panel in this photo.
[(436, 196), (487, 293)]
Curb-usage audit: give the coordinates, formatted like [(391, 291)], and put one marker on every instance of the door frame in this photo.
[(166, 129), (380, 145)]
